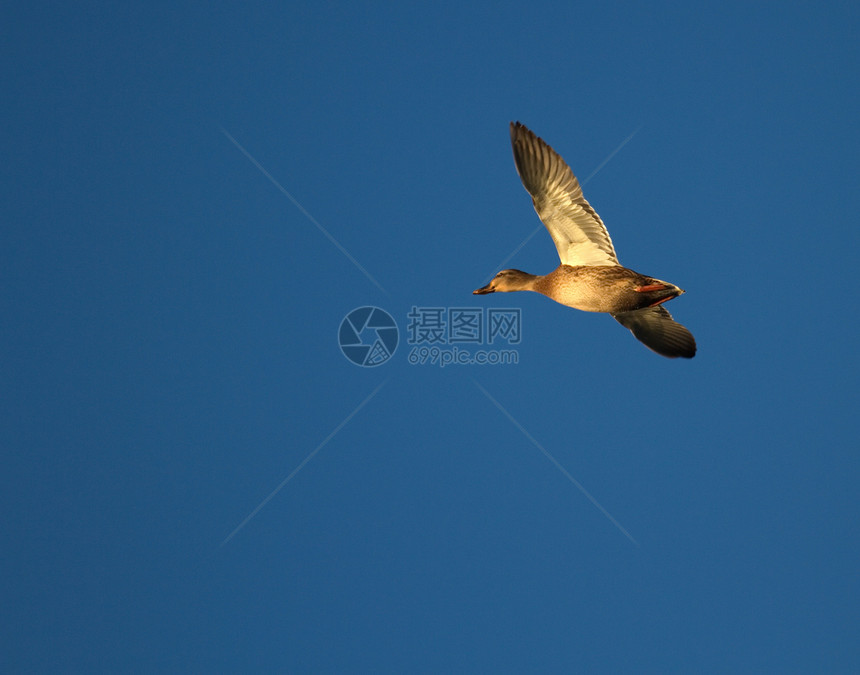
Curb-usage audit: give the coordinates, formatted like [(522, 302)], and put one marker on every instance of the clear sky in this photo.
[(196, 196)]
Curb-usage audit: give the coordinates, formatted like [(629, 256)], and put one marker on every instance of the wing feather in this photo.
[(578, 232), (656, 329)]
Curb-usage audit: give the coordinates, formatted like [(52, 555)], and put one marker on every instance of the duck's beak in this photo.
[(486, 289)]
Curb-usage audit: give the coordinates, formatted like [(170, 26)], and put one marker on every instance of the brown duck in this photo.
[(589, 277)]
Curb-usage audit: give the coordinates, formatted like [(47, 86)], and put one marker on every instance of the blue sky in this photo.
[(170, 342)]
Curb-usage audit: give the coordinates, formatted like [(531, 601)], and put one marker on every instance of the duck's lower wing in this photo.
[(655, 328)]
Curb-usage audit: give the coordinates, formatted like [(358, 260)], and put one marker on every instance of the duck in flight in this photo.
[(590, 277)]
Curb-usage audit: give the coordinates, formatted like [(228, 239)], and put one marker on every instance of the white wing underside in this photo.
[(577, 231)]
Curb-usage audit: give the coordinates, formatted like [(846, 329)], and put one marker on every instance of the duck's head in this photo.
[(506, 281)]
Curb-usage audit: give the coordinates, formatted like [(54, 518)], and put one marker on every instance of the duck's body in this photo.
[(590, 277), (607, 288)]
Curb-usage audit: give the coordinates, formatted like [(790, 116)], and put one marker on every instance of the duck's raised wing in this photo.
[(579, 234), (655, 328)]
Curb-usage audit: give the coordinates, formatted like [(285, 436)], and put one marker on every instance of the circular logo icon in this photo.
[(368, 336)]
